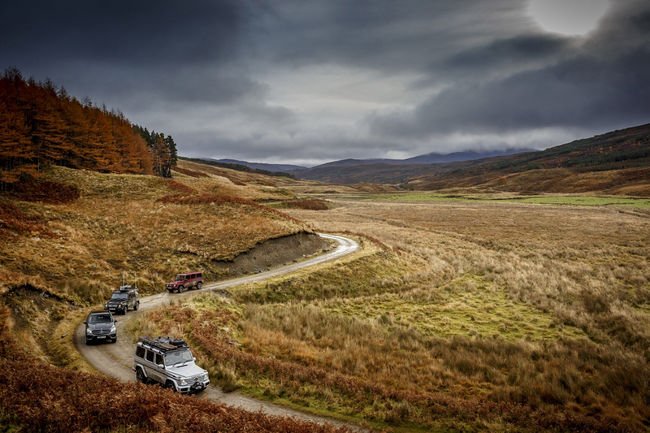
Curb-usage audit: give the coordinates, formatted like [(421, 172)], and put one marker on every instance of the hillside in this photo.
[(273, 168), (365, 170), (144, 226), (440, 158), (615, 163), (77, 240)]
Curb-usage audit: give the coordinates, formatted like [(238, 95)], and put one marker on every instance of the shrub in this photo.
[(309, 204)]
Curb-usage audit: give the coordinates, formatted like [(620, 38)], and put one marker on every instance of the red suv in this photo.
[(183, 282)]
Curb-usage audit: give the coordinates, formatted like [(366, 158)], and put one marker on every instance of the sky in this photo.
[(306, 82)]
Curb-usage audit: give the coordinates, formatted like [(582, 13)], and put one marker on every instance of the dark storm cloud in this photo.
[(319, 80), (180, 85), (382, 34), (598, 86), (130, 53), (517, 49), (155, 33), (500, 57), (586, 91)]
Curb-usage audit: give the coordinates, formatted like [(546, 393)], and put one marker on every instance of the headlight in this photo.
[(113, 328), (89, 331), (184, 382)]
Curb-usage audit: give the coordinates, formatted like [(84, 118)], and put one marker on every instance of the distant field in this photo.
[(573, 200)]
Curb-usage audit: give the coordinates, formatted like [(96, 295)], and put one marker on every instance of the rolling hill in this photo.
[(344, 167), (617, 162), (273, 168)]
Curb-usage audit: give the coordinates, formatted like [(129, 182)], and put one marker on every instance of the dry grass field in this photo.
[(458, 316), (148, 227), (66, 242)]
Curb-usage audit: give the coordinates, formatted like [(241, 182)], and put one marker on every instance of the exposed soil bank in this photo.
[(273, 253)]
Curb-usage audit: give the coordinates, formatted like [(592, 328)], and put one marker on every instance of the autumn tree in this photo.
[(41, 125)]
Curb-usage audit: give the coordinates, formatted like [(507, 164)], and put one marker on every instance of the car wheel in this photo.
[(139, 375), (114, 340), (170, 385), (181, 289), (136, 306), (199, 285), (88, 342)]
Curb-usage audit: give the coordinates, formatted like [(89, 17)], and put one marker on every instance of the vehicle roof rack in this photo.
[(164, 344), (126, 288)]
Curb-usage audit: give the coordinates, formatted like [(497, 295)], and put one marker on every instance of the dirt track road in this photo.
[(116, 360)]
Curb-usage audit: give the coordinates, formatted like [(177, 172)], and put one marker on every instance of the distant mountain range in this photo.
[(617, 162), (274, 168), (429, 158)]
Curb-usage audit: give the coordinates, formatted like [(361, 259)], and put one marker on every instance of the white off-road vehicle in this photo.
[(170, 363)]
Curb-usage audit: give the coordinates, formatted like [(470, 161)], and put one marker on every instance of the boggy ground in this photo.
[(459, 317)]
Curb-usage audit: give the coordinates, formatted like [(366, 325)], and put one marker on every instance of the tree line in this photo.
[(42, 125)]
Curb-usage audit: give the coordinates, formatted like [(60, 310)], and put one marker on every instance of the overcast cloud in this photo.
[(309, 82)]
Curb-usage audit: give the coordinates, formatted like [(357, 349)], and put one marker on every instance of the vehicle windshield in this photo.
[(100, 318), (180, 277), (120, 296), (176, 356)]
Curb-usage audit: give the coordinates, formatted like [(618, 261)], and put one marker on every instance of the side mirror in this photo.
[(161, 366), (194, 358), (85, 322), (114, 321)]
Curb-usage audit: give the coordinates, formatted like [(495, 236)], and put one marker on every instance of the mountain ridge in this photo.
[(427, 158)]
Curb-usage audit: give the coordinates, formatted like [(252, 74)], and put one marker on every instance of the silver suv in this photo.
[(170, 363)]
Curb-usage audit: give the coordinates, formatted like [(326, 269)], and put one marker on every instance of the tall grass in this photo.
[(533, 318)]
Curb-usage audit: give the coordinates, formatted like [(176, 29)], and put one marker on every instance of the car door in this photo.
[(150, 365), (159, 366)]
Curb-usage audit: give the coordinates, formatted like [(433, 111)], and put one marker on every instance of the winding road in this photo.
[(116, 360)]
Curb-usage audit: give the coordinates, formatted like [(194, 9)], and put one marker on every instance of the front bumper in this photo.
[(194, 388), (102, 337)]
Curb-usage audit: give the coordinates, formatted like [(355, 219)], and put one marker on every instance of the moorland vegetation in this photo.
[(529, 318)]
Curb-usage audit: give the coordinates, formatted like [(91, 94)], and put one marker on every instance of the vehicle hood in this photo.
[(189, 370), (99, 326), (174, 283), (116, 302)]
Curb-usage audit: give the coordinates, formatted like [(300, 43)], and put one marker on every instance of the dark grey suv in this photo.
[(100, 326), (122, 300)]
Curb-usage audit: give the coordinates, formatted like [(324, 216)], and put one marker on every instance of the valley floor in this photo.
[(459, 316)]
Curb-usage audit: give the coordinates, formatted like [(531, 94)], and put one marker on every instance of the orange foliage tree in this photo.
[(41, 126)]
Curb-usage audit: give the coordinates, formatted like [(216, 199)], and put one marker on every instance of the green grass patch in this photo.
[(572, 200), (375, 273), (643, 203), (466, 307)]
